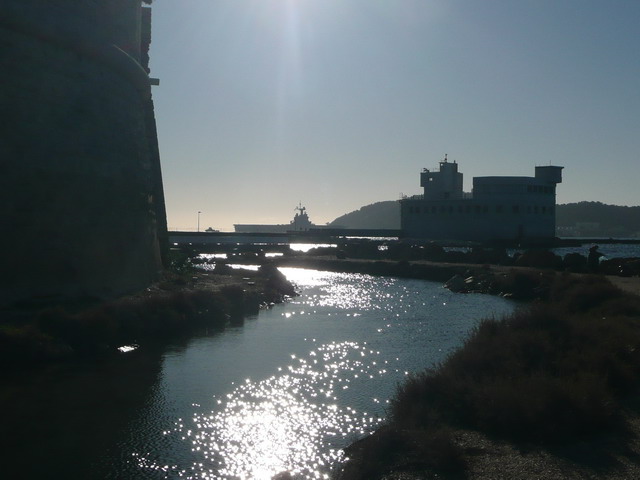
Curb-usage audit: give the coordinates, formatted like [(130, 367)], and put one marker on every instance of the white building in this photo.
[(498, 208)]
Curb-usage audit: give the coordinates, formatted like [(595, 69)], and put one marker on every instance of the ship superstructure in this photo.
[(299, 223)]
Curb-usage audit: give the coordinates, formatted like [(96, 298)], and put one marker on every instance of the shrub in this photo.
[(524, 284), (546, 373), (86, 332), (580, 294), (392, 449), (180, 262), (574, 262), (276, 284), (26, 345)]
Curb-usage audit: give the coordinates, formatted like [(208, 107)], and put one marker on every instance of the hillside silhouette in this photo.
[(596, 218), (580, 219), (384, 214)]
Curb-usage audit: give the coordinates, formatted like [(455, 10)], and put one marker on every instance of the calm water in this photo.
[(291, 387), (610, 250)]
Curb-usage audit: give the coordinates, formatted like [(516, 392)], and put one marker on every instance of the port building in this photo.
[(498, 208)]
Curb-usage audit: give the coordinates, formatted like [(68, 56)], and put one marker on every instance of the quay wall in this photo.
[(81, 200)]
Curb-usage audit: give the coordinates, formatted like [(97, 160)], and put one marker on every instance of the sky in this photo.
[(337, 104)]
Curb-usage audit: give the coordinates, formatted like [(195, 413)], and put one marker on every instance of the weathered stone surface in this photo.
[(79, 183)]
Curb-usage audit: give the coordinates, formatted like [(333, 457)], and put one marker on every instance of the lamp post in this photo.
[(199, 212)]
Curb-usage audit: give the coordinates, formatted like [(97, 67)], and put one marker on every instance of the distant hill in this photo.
[(572, 219), (377, 215), (598, 219)]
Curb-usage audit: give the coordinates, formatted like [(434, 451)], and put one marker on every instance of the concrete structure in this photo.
[(498, 208), (81, 199)]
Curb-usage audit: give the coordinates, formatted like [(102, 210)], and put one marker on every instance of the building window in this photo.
[(469, 208), (544, 209), (485, 209), (516, 209), (535, 209), (499, 209)]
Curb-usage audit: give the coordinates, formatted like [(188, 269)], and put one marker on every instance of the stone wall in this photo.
[(81, 203)]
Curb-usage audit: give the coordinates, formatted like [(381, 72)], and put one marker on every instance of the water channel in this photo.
[(283, 392)]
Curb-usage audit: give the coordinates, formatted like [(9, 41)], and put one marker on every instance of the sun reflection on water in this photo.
[(351, 291), (281, 424)]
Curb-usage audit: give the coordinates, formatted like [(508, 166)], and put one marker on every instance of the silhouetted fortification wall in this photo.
[(81, 201)]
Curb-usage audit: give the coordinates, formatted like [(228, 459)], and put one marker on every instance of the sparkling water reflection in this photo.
[(287, 392), (287, 422)]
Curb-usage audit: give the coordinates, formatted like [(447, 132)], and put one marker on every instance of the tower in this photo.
[(443, 184), (81, 199)]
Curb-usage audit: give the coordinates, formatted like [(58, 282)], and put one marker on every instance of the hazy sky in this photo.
[(340, 103)]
